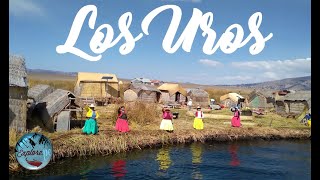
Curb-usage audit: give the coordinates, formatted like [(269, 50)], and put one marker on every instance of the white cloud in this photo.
[(247, 72), (237, 77), (254, 71), (261, 71), (210, 62), (288, 66), (270, 75), (24, 7)]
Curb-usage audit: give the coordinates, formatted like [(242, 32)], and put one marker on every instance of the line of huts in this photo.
[(283, 102), (101, 86), (147, 81), (165, 93)]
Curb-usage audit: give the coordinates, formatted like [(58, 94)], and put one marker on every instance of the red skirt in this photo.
[(122, 125), (235, 121)]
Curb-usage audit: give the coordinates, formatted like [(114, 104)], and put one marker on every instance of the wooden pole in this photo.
[(270, 122)]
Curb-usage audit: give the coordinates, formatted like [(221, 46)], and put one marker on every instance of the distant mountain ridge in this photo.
[(51, 72), (297, 84)]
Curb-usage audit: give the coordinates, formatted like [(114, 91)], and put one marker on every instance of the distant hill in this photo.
[(299, 83), (42, 71)]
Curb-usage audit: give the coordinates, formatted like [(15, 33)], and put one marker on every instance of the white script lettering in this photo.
[(100, 41), (96, 45)]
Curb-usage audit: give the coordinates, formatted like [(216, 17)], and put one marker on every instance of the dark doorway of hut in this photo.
[(158, 97), (177, 99)]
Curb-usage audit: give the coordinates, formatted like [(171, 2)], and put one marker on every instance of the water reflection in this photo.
[(118, 169), (163, 157), (211, 160), (233, 148), (196, 150)]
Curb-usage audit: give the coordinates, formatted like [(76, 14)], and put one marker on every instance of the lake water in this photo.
[(211, 160)]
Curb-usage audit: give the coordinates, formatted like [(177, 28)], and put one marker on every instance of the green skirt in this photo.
[(90, 127)]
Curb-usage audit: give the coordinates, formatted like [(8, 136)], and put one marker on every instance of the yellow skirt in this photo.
[(197, 123)]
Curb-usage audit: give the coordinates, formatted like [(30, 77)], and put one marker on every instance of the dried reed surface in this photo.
[(56, 84), (143, 113), (144, 121)]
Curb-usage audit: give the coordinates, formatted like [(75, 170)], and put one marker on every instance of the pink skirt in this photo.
[(235, 122), (122, 125)]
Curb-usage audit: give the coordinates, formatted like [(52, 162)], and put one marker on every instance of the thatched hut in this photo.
[(279, 101), (48, 105), (171, 93), (38, 92), (297, 102), (142, 92), (130, 95), (97, 85), (260, 99), (231, 99), (18, 89), (199, 97)]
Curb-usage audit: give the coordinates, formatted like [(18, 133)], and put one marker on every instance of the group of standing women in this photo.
[(167, 119), (91, 125), (198, 123), (122, 125)]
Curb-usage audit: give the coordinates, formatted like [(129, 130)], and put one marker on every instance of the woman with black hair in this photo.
[(122, 124)]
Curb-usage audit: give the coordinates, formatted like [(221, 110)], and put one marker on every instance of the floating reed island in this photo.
[(144, 122)]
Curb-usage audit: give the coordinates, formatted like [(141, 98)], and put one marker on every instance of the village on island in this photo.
[(97, 113)]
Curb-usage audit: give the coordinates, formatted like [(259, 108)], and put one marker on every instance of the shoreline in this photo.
[(107, 142)]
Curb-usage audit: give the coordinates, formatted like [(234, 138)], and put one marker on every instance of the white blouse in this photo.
[(199, 114)]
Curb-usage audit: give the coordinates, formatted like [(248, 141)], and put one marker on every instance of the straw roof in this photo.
[(17, 71), (265, 94), (172, 88), (145, 87), (40, 91), (298, 96), (198, 92), (87, 76), (57, 100), (233, 96)]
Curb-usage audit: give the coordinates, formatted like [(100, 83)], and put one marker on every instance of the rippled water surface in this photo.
[(211, 160)]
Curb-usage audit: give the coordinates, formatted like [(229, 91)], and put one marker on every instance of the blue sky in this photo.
[(37, 27)]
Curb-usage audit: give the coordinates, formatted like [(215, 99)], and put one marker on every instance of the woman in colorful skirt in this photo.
[(198, 123), (166, 123), (91, 125), (235, 121), (122, 124)]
